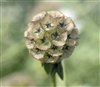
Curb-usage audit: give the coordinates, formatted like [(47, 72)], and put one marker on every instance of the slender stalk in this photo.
[(54, 80)]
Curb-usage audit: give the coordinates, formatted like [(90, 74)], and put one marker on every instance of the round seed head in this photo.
[(51, 36)]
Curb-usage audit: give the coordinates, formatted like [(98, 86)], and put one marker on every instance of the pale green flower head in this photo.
[(51, 36)]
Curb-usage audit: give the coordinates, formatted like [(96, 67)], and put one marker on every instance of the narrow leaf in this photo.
[(60, 70), (54, 69), (48, 67)]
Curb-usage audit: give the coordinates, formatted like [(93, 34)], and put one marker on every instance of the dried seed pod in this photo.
[(51, 36)]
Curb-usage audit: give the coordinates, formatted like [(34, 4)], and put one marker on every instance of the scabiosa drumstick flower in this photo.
[(51, 37)]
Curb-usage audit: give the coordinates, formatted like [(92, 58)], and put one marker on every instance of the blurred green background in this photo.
[(19, 69)]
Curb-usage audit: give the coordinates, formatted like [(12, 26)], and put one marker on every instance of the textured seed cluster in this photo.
[(51, 36)]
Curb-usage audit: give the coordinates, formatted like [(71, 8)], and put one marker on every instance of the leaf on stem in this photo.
[(52, 69), (60, 70), (47, 67)]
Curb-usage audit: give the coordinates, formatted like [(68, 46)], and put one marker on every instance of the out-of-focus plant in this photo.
[(18, 79)]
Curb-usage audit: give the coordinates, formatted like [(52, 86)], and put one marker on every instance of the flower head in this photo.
[(51, 36)]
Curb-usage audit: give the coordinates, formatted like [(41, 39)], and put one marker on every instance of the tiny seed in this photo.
[(37, 49), (37, 30), (60, 56), (32, 40), (62, 24), (56, 35), (49, 55), (69, 36), (67, 47), (54, 47), (48, 24), (43, 40)]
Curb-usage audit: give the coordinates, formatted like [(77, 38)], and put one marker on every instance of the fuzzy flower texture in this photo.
[(51, 36)]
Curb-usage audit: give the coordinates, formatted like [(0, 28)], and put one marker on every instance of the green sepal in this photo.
[(47, 67), (60, 70), (52, 69)]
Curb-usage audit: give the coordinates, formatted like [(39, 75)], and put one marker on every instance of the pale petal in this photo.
[(58, 43), (70, 24), (58, 38), (43, 46), (68, 53), (30, 26), (52, 60), (49, 60), (74, 33), (48, 18), (29, 44), (28, 34), (39, 16), (36, 35), (55, 14), (59, 20), (25, 34), (69, 28), (59, 14), (71, 42), (64, 36), (37, 55), (55, 53)]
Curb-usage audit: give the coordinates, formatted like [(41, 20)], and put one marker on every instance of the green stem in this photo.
[(54, 80)]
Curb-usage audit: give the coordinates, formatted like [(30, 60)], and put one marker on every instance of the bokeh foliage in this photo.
[(81, 69)]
